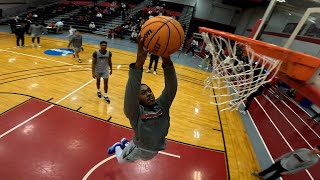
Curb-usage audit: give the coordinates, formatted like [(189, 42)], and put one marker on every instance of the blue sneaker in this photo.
[(123, 142), (112, 149)]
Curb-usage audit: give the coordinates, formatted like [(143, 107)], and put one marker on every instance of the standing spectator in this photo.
[(59, 26), (20, 35), (36, 30), (193, 46), (13, 24), (27, 27), (155, 59), (291, 163), (92, 27), (76, 42)]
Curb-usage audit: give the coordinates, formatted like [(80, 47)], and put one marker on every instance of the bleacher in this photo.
[(48, 12), (79, 14)]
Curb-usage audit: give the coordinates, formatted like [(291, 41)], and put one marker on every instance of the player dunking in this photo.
[(149, 117), (101, 59)]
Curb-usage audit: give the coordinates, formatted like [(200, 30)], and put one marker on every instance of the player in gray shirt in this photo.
[(292, 162), (101, 60), (76, 43), (149, 117), (36, 30)]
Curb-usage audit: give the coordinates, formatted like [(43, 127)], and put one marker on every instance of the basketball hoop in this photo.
[(241, 65)]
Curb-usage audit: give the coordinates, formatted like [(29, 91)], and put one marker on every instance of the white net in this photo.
[(237, 71)]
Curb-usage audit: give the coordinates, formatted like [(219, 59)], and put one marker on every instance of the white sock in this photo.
[(118, 154), (105, 95), (98, 90)]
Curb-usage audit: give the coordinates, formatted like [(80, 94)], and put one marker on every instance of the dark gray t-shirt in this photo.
[(150, 125), (76, 41)]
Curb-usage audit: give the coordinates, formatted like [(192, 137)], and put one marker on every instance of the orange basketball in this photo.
[(163, 35)]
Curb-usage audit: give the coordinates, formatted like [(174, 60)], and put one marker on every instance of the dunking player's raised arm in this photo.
[(131, 102)]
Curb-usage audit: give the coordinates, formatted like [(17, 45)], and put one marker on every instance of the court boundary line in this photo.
[(112, 157), (285, 140), (182, 77), (274, 88), (43, 58), (264, 144), (15, 106), (113, 123), (44, 110), (48, 74), (288, 120), (297, 115), (85, 177), (223, 139)]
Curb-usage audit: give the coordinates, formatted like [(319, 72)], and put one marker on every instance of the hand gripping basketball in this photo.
[(163, 35)]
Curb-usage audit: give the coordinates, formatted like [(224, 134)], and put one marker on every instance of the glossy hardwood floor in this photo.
[(28, 71)]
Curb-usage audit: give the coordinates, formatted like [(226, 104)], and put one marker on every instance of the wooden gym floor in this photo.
[(60, 80)]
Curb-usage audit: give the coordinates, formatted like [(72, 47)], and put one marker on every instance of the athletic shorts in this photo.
[(132, 153), (76, 49), (35, 35), (104, 75)]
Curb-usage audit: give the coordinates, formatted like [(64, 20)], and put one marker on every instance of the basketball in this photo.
[(163, 35)]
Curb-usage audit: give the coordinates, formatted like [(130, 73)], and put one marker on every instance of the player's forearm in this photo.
[(131, 102), (170, 77), (93, 68)]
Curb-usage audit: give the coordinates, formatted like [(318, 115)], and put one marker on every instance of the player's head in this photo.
[(103, 45), (146, 97)]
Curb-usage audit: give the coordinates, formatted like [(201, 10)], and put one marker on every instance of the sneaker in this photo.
[(39, 45), (148, 71), (154, 72), (185, 54), (107, 99), (99, 94), (200, 65), (123, 142), (112, 149), (79, 60), (32, 45), (193, 57), (256, 174)]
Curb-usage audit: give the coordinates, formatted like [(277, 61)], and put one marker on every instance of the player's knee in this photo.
[(120, 160)]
